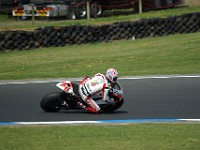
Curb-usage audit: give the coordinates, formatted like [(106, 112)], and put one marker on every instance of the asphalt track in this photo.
[(145, 98)]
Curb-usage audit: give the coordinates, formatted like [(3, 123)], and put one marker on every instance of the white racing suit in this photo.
[(90, 86)]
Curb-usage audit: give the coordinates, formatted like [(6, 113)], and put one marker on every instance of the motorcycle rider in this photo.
[(98, 83)]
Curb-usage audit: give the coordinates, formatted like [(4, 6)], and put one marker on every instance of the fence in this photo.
[(77, 34)]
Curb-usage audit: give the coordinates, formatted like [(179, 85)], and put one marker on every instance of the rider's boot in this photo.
[(80, 105), (92, 106), (92, 110)]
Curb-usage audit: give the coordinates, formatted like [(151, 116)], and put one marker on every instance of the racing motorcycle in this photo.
[(66, 99)]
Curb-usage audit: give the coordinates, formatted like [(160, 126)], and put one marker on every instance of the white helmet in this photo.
[(112, 75)]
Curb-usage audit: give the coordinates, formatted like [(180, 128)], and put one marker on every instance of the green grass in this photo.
[(9, 23), (176, 54), (117, 137)]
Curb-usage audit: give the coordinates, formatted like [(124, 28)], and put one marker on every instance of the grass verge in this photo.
[(10, 23), (176, 54), (128, 137)]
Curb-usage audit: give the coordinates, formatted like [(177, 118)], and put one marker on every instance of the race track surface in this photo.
[(144, 98)]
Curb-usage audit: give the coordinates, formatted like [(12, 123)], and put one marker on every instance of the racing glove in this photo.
[(110, 100)]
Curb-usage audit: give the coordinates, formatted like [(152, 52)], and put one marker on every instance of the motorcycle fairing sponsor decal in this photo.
[(66, 86), (94, 83)]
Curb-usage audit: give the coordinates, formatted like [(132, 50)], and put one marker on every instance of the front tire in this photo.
[(51, 102), (110, 108)]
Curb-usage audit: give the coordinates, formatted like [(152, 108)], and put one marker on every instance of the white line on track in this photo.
[(6, 82), (161, 77), (127, 121)]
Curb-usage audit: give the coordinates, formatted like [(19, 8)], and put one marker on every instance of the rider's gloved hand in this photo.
[(110, 100), (111, 90)]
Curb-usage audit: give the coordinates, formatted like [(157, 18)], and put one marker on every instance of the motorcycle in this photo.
[(67, 99)]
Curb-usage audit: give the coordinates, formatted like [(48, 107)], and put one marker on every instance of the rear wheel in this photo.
[(95, 10), (80, 11), (51, 102)]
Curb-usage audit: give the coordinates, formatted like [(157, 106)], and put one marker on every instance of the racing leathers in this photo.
[(90, 86)]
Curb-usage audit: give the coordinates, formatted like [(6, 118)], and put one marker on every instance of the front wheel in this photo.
[(51, 102), (110, 107)]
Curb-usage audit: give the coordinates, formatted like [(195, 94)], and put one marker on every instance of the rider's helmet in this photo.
[(112, 75)]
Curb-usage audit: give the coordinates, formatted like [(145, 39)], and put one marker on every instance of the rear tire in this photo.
[(95, 10), (80, 11), (51, 102)]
